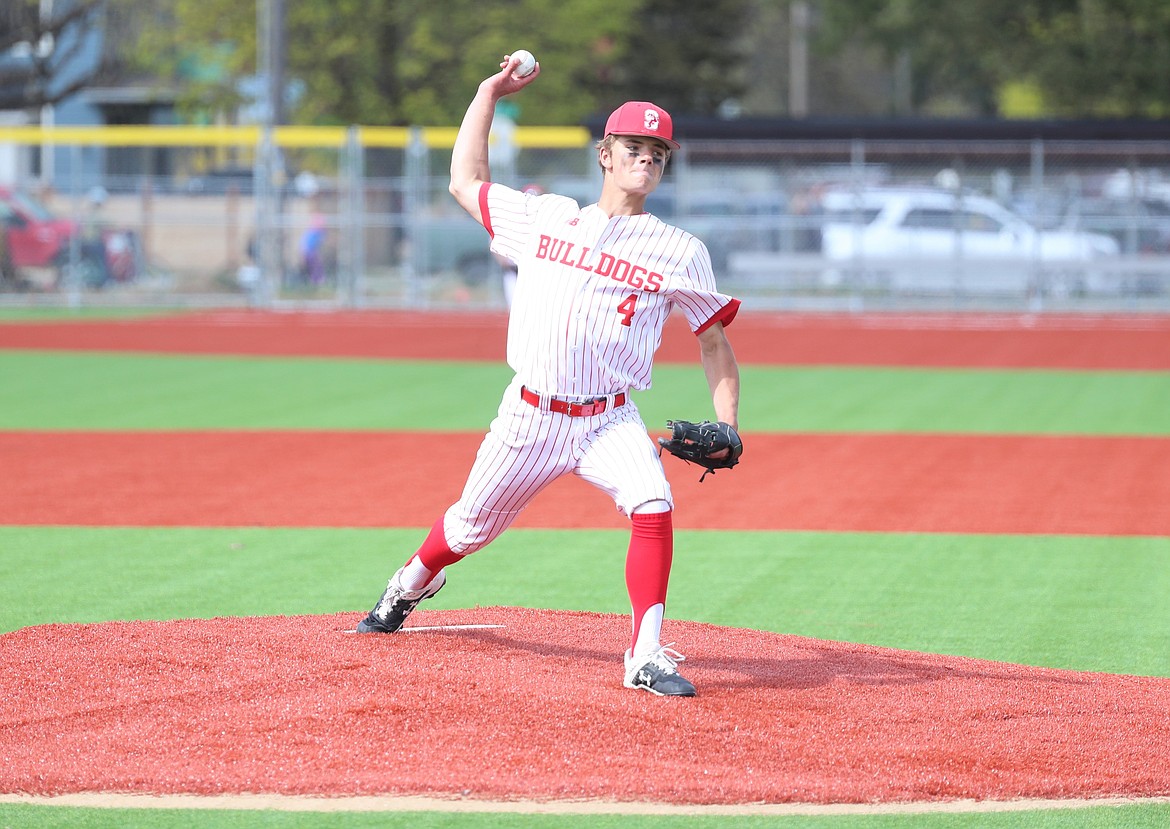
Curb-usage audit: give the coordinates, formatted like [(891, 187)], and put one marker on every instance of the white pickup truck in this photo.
[(931, 239)]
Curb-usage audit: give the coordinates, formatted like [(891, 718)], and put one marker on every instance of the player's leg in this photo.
[(648, 561), (621, 460), (525, 450), (420, 578), (487, 507), (521, 454)]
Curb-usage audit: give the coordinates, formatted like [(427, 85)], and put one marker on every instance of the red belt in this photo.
[(585, 409)]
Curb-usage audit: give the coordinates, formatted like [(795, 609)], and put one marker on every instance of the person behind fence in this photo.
[(93, 239), (313, 250), (596, 285), (8, 274)]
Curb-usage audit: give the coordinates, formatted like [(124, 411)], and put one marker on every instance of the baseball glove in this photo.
[(697, 442)]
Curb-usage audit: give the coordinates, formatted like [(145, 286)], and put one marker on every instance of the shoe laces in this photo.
[(667, 658), (393, 595), (399, 593)]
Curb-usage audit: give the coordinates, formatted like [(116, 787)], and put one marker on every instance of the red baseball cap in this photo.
[(642, 118)]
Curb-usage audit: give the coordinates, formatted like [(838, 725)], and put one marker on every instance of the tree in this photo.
[(1084, 58), (1106, 58), (953, 51), (386, 62), (685, 55), (40, 49)]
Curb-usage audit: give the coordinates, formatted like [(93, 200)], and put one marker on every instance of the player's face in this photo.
[(638, 163)]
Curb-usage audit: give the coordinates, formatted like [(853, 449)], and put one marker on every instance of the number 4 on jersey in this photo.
[(626, 307)]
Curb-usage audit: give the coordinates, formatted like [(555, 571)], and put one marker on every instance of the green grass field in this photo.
[(1085, 603), (47, 817), (112, 391)]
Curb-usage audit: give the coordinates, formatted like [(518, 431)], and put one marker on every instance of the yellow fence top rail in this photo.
[(172, 136)]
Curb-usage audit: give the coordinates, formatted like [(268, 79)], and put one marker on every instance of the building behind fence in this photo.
[(361, 217)]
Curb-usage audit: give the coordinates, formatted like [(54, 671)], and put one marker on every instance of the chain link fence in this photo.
[(361, 217)]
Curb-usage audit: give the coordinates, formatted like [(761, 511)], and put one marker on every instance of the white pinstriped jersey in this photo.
[(594, 292)]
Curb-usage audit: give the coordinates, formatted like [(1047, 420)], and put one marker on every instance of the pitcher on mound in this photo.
[(594, 288)]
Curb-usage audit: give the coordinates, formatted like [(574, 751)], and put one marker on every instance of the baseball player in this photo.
[(595, 286)]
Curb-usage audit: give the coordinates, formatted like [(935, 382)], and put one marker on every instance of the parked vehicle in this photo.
[(36, 238), (221, 180), (928, 239), (1140, 226), (728, 220)]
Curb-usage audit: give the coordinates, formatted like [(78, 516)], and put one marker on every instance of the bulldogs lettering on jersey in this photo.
[(619, 270)]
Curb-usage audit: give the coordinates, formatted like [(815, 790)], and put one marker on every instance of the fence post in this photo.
[(854, 273), (1036, 289), (414, 263), (73, 271), (353, 219), (267, 247)]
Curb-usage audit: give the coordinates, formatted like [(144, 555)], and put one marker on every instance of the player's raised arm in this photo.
[(469, 157)]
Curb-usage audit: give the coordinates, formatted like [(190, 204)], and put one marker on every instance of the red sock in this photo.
[(648, 563), (434, 552)]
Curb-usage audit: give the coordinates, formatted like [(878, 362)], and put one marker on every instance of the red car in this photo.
[(36, 238)]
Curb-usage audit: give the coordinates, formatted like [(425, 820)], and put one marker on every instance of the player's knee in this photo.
[(467, 533), (652, 507)]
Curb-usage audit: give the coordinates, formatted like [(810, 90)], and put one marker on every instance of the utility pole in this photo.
[(268, 167), (275, 61), (798, 25), (48, 112)]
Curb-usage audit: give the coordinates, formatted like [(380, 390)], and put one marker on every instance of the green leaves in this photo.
[(1106, 58), (382, 62)]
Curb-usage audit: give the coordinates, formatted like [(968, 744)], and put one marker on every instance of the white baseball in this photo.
[(527, 63)]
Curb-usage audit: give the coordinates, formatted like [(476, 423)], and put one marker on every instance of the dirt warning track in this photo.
[(943, 340)]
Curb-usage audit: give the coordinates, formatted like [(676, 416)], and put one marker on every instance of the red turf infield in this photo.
[(294, 705), (910, 483)]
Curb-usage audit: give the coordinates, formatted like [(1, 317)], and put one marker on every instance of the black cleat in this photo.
[(396, 604), (658, 673)]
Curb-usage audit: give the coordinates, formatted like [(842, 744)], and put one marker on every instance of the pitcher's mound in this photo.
[(506, 703)]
